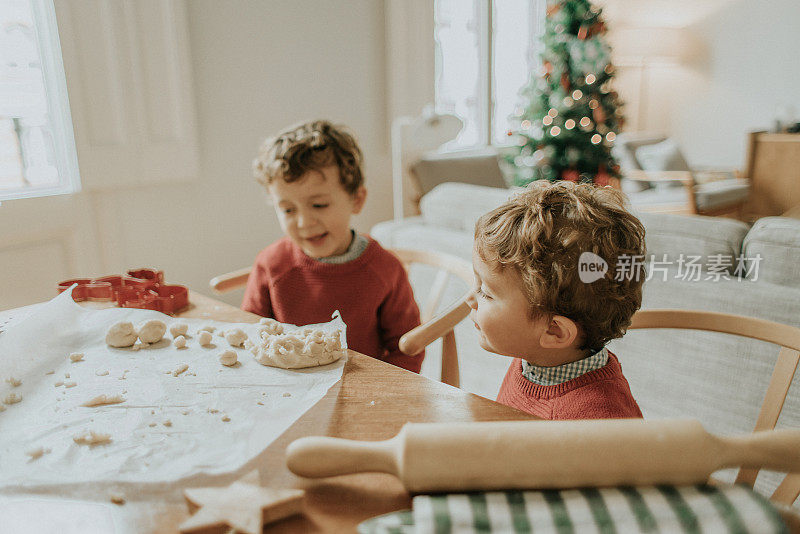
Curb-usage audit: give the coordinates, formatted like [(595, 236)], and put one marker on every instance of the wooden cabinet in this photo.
[(773, 167)]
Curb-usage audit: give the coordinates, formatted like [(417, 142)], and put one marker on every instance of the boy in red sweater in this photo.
[(313, 175), (537, 300)]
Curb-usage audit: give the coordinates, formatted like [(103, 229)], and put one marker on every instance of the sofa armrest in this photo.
[(458, 206)]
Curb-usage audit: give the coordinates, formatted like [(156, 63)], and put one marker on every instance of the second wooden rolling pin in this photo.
[(430, 457)]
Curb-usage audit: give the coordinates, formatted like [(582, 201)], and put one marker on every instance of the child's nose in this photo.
[(303, 220)]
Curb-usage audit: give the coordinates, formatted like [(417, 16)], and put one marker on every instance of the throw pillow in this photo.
[(663, 156)]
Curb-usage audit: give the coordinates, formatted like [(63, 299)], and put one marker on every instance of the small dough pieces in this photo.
[(76, 357), (204, 338), (90, 437), (236, 337), (179, 342), (12, 398), (305, 348), (121, 334), (178, 329), (15, 382), (37, 453), (228, 358), (152, 331), (181, 368), (102, 400)]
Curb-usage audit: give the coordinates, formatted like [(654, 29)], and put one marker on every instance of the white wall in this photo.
[(745, 71), (258, 67)]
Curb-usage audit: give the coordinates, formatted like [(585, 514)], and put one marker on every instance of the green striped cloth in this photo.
[(665, 509)]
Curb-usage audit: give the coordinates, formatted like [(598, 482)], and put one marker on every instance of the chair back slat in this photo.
[(787, 337), (435, 295), (771, 407), (230, 281), (449, 373), (788, 490)]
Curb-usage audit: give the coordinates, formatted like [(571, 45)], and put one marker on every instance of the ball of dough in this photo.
[(179, 342), (178, 329), (152, 331), (121, 335), (204, 338), (236, 337), (228, 358)]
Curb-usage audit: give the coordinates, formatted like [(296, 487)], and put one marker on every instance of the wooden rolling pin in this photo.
[(430, 457)]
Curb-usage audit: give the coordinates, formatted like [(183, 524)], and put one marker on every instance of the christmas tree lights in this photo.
[(568, 123)]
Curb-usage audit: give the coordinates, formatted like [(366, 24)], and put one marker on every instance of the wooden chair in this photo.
[(692, 192), (417, 339), (717, 192), (787, 337)]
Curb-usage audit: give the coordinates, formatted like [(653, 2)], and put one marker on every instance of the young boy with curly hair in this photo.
[(532, 301), (313, 174)]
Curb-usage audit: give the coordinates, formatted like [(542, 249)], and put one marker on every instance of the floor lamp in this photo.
[(412, 136), (644, 48)]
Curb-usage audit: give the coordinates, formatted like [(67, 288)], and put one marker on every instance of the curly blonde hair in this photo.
[(542, 232), (310, 146)]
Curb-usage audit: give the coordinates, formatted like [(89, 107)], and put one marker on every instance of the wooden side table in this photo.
[(773, 167)]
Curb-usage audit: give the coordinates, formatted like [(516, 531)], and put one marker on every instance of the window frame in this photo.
[(487, 90), (58, 111)]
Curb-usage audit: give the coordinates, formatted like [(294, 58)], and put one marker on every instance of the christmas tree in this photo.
[(568, 123)]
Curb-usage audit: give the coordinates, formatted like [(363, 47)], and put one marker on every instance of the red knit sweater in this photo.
[(372, 293), (600, 394)]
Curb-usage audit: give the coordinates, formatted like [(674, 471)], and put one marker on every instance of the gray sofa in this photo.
[(716, 378)]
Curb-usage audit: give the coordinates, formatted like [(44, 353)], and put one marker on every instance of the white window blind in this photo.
[(37, 148), (485, 52)]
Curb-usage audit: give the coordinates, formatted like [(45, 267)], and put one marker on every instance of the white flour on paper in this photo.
[(143, 449)]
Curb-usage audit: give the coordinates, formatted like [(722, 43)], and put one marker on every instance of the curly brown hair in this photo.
[(310, 146), (542, 232)]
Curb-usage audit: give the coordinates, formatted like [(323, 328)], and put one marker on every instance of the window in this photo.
[(37, 148), (485, 52)]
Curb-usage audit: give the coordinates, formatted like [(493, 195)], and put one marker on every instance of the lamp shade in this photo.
[(632, 46)]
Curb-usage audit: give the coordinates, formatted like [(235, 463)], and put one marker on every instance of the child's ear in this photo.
[(359, 197), (561, 333)]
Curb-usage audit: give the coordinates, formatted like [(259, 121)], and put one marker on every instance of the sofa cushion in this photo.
[(721, 193), (477, 167), (458, 206), (688, 236), (415, 232), (663, 156), (777, 241)]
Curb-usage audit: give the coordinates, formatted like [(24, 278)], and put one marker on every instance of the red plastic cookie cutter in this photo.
[(139, 288)]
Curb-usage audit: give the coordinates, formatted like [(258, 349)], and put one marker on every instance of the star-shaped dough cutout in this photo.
[(244, 506)]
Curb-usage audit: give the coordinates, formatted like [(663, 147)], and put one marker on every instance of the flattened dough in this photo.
[(306, 348)]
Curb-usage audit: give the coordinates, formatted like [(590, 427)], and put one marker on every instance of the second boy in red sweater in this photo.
[(534, 302), (313, 175)]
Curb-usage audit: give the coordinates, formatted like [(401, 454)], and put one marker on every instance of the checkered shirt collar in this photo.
[(551, 376)]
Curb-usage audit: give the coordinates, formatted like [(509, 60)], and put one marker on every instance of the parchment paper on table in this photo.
[(258, 402)]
